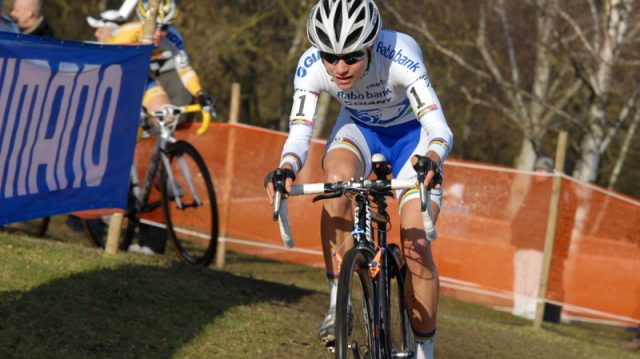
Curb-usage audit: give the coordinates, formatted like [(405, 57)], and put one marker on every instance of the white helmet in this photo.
[(167, 11), (343, 26)]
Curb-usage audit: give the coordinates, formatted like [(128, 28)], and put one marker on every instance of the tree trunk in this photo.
[(613, 179), (527, 157)]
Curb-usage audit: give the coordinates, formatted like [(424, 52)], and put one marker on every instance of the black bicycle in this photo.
[(188, 198), (371, 318)]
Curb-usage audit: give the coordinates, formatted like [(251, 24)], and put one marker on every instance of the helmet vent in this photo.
[(323, 37), (354, 7), (353, 37), (327, 6), (338, 20), (373, 34)]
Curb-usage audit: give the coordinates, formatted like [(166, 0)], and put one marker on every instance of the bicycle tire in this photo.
[(399, 334), (193, 226), (354, 308)]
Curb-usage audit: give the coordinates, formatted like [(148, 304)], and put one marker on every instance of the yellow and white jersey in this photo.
[(170, 55)]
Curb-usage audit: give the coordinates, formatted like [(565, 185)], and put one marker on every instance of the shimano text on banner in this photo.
[(68, 119)]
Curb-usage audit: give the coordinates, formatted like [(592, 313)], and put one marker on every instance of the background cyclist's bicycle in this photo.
[(187, 195)]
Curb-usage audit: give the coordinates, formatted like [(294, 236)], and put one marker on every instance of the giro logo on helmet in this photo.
[(343, 26)]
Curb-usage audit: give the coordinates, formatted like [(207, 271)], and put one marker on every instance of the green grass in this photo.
[(64, 299)]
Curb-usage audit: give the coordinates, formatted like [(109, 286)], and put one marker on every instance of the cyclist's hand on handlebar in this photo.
[(282, 177), (207, 101), (428, 169)]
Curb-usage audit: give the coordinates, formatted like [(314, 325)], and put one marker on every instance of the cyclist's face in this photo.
[(159, 34), (346, 75)]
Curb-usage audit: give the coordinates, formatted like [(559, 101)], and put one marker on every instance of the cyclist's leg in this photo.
[(422, 283), (153, 238), (178, 94), (347, 156), (155, 97)]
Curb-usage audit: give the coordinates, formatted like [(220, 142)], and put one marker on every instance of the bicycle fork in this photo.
[(182, 163)]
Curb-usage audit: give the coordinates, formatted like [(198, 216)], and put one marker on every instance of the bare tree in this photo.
[(297, 22), (617, 168), (596, 48), (531, 96)]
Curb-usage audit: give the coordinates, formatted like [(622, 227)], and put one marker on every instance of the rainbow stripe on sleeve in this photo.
[(300, 121), (293, 156), (427, 109), (440, 142)]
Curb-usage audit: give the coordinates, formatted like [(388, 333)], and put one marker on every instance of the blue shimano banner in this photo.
[(69, 115)]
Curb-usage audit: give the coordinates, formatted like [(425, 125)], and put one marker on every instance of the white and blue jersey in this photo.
[(393, 109)]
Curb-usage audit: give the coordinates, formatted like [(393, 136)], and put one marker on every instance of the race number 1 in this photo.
[(304, 107), (420, 97)]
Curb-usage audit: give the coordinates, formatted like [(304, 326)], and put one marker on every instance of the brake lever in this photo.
[(422, 189), (327, 196), (278, 185)]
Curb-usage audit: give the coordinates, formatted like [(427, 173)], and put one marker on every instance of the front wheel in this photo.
[(354, 308), (189, 204)]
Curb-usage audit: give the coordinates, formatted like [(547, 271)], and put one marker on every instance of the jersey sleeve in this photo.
[(129, 33), (428, 110), (307, 86), (187, 74), (423, 98)]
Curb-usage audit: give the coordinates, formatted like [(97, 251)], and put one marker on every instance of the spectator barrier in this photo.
[(492, 217)]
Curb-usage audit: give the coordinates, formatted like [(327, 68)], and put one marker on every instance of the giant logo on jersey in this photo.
[(307, 63), (68, 124)]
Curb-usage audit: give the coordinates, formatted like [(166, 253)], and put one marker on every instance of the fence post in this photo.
[(552, 221), (113, 236), (234, 113)]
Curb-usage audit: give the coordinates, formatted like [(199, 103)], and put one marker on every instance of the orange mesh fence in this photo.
[(491, 229)]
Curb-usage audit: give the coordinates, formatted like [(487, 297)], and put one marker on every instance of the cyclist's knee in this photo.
[(410, 211), (342, 165), (338, 207)]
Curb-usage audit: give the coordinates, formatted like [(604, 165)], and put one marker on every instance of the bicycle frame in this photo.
[(164, 138), (141, 193), (364, 216), (378, 255)]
